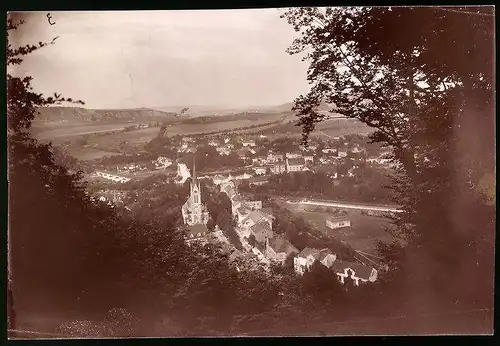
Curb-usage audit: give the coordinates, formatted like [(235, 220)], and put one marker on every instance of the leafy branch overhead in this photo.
[(370, 66), (423, 79), (22, 101)]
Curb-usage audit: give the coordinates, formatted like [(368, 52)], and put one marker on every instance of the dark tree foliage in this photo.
[(57, 236), (367, 186), (422, 77)]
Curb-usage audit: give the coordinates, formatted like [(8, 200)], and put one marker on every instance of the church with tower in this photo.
[(194, 212)]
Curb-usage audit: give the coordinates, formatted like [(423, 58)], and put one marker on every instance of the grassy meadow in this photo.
[(362, 235)]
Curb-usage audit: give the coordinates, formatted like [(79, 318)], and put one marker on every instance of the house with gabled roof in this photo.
[(336, 222), (225, 150), (273, 158), (261, 231), (306, 258), (308, 158), (279, 248), (357, 272), (237, 201), (242, 213), (342, 153), (196, 233), (257, 216), (259, 170), (248, 143), (277, 168)]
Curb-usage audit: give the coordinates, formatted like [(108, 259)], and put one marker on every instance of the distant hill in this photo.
[(252, 116), (209, 111), (79, 115), (201, 111)]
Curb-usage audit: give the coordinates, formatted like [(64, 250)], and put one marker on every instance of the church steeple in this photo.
[(193, 211)]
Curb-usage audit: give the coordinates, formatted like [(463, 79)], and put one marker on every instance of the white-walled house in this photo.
[(241, 214), (162, 162), (308, 158), (338, 222), (223, 150), (237, 202), (306, 258), (357, 272), (342, 153), (273, 158), (277, 168), (248, 143), (254, 205), (260, 170)]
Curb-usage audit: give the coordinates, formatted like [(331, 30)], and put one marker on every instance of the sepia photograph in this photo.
[(259, 172)]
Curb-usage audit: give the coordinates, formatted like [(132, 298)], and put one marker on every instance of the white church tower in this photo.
[(193, 211)]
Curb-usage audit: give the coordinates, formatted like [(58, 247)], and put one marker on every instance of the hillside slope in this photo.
[(83, 115)]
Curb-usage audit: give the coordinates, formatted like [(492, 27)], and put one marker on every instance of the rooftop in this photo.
[(316, 253), (261, 231), (258, 215), (280, 244), (198, 228), (338, 218)]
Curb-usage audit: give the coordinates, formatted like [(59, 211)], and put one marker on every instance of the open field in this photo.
[(363, 234), (61, 132), (184, 129), (132, 175), (139, 136), (64, 132), (88, 154)]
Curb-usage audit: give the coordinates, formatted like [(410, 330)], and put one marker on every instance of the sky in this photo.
[(129, 59)]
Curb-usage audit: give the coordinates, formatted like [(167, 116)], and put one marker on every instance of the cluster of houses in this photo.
[(133, 167), (357, 272), (112, 177), (162, 162), (254, 225), (255, 228)]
